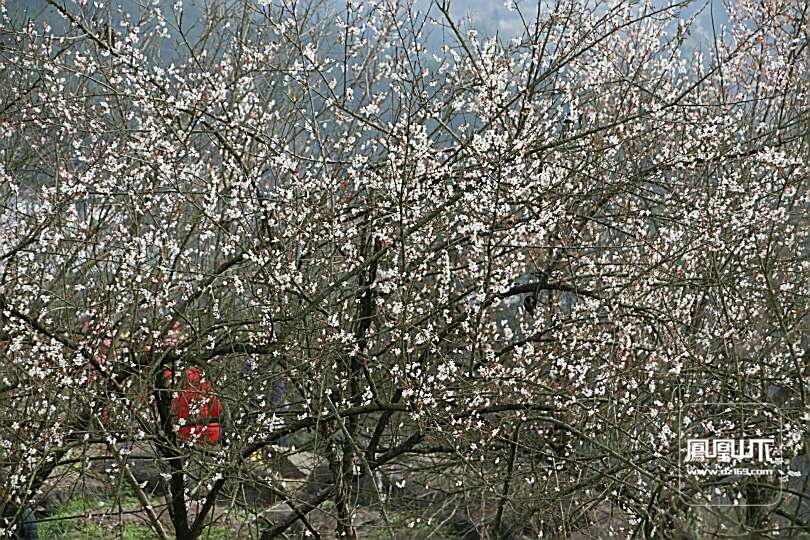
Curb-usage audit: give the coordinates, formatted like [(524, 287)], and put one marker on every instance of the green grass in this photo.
[(64, 523), (137, 532), (72, 523), (400, 528), (216, 533), (140, 532)]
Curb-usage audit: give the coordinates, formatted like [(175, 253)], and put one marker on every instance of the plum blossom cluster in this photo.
[(386, 238)]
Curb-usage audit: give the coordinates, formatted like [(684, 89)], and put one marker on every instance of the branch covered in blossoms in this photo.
[(467, 270)]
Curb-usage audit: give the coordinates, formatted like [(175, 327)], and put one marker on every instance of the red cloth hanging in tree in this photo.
[(198, 405)]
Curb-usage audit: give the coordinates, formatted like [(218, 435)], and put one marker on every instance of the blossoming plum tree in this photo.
[(490, 267)]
